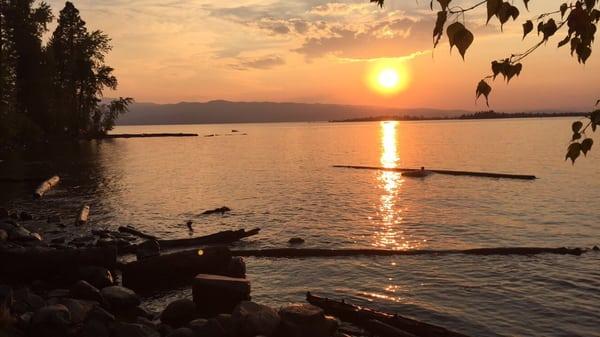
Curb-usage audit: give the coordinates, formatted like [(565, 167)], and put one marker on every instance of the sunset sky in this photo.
[(322, 51)]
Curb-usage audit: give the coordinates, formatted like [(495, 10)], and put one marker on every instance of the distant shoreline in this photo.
[(477, 115)]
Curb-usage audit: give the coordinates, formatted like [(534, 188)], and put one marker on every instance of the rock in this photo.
[(226, 321), (57, 293), (251, 319), (22, 234), (24, 216), (24, 301), (306, 320), (50, 321), (3, 213), (53, 219), (120, 299), (85, 291), (134, 330), (147, 249), (181, 332), (99, 277), (3, 235), (179, 313), (207, 328), (236, 267), (79, 309), (99, 314), (296, 241), (94, 328), (215, 294)]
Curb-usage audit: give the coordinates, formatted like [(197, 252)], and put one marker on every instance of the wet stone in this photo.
[(178, 313), (50, 321), (251, 319), (85, 291), (215, 294), (99, 277), (120, 299), (134, 330)]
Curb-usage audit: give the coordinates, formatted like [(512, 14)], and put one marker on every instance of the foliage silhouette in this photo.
[(579, 19)]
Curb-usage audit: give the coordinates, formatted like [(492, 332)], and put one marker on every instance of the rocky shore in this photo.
[(86, 297)]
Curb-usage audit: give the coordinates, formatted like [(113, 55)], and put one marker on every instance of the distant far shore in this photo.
[(477, 115)]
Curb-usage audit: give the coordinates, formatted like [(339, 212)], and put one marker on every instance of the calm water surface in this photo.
[(279, 177)]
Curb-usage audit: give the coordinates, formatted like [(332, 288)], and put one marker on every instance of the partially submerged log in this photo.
[(84, 215), (376, 320), (171, 270), (224, 237), (46, 186), (132, 230), (448, 172), (148, 135), (30, 264), (221, 210), (318, 252)]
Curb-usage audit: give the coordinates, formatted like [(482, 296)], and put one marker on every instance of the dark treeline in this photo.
[(477, 115), (53, 90)]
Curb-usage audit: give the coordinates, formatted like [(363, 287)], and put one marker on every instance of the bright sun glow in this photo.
[(388, 78)]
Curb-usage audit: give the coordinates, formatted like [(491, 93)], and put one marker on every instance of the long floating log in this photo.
[(147, 135), (317, 252), (448, 172), (46, 186), (224, 237), (169, 270), (365, 317), (45, 263)]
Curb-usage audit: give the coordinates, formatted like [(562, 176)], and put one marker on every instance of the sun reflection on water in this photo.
[(390, 234)]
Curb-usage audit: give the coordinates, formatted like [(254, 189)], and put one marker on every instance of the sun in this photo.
[(388, 78)]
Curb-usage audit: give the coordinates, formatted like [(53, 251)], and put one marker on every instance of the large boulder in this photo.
[(99, 277), (50, 321), (120, 299), (215, 294), (306, 320), (85, 291), (147, 249), (251, 319), (134, 330), (79, 309), (179, 313)]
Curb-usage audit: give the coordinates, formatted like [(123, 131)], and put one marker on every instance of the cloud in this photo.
[(265, 62)]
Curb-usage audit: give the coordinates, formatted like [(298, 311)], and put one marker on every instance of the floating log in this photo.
[(46, 186), (224, 237), (133, 231), (147, 135), (84, 215), (448, 172), (28, 264), (171, 270), (318, 252), (221, 210), (369, 318)]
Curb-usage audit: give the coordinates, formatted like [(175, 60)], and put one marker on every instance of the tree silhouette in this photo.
[(577, 20)]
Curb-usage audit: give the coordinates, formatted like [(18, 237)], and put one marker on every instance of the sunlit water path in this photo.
[(279, 177)]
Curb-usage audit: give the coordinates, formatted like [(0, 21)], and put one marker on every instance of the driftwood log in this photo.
[(30, 264), (147, 135), (46, 186), (448, 172), (318, 252), (380, 321), (84, 215), (224, 237), (132, 230), (171, 270)]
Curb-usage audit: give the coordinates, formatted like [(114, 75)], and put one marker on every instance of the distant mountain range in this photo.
[(261, 112)]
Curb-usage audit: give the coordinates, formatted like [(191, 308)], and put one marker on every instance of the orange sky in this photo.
[(322, 51)]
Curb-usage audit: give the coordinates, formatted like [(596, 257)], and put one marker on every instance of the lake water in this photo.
[(279, 177)]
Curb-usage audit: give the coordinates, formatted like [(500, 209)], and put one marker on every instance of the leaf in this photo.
[(493, 6), (379, 2), (589, 4), (576, 136), (549, 29), (514, 12), (595, 15), (597, 102), (586, 145), (576, 127), (504, 13), (444, 3), (583, 53), (526, 2), (460, 37), (540, 27), (527, 28), (564, 41), (513, 70), (573, 152), (595, 118), (438, 30), (575, 42), (563, 10), (483, 89)]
